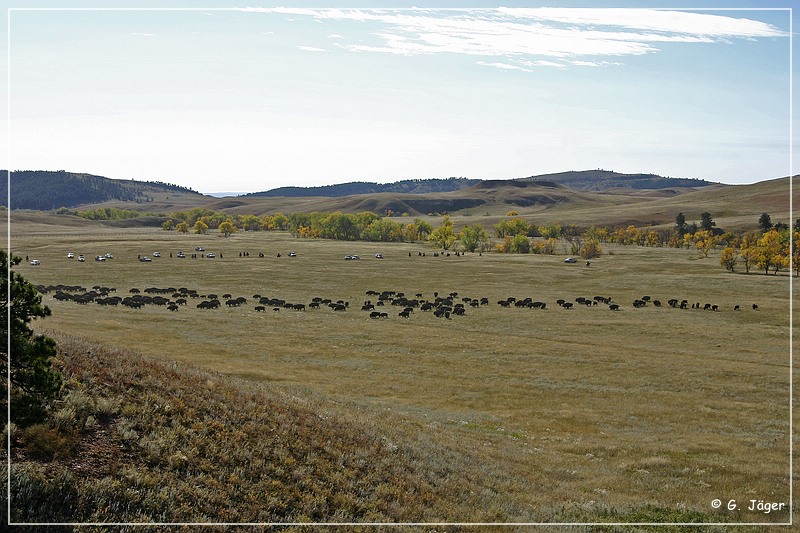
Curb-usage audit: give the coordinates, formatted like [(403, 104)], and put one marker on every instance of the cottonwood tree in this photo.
[(591, 249), (771, 251), (200, 227), (444, 236), (704, 240), (423, 228), (728, 258), (33, 380), (473, 237), (796, 253), (227, 228)]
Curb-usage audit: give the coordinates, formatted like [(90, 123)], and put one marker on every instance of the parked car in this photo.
[(99, 258), (210, 256), (70, 255), (35, 262), (109, 256), (199, 249), (145, 259), (292, 254), (181, 255), (570, 260), (156, 254), (378, 256), (352, 257), (81, 258)]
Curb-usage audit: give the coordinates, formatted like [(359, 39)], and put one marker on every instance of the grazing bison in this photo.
[(260, 308)]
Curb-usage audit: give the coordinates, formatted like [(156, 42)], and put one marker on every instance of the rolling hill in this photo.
[(601, 180), (584, 198), (421, 186), (47, 190)]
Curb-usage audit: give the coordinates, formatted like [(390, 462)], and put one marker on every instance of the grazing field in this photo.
[(605, 411)]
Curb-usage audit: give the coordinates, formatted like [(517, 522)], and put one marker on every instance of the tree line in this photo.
[(767, 248)]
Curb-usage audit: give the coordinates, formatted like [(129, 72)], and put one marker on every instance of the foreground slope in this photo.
[(138, 441)]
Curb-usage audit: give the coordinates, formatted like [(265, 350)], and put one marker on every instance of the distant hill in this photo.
[(46, 190), (585, 180), (421, 186), (601, 180)]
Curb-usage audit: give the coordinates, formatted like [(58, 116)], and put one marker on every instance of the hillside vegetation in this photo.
[(45, 190), (421, 186), (136, 440), (601, 180)]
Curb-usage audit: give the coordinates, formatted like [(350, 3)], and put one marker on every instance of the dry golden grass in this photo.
[(639, 415)]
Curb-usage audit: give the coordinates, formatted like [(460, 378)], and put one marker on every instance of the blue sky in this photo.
[(316, 93)]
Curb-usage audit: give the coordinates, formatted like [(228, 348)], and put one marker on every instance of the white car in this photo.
[(109, 256), (99, 258), (81, 258), (145, 259), (210, 256), (570, 260), (156, 254), (378, 256), (181, 255), (352, 257), (70, 255), (36, 262), (292, 254)]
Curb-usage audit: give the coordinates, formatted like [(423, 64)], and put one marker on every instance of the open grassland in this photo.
[(635, 415)]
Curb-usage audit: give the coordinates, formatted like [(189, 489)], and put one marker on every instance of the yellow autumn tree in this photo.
[(227, 228), (728, 258), (200, 227), (444, 236), (704, 240), (796, 253), (771, 252)]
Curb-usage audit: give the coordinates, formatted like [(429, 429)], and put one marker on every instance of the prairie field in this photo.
[(601, 411)]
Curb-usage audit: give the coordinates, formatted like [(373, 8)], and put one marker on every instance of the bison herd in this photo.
[(377, 304)]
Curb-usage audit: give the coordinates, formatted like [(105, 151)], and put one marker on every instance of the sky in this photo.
[(250, 96)]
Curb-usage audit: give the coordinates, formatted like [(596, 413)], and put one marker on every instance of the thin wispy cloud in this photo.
[(504, 66), (574, 36), (312, 49)]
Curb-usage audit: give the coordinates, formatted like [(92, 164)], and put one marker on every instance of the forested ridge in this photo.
[(420, 186), (47, 190), (601, 180)]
